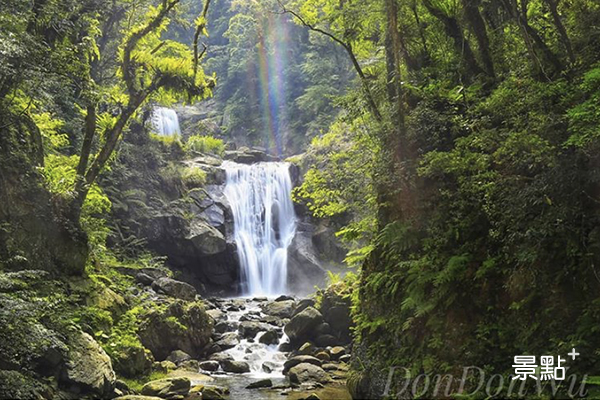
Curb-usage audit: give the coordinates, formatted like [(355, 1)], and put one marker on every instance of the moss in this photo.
[(136, 384)]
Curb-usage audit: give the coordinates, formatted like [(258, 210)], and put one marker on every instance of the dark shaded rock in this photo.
[(173, 288), (167, 388), (337, 352), (269, 337), (228, 340), (263, 383), (303, 373), (345, 358), (322, 329), (206, 239), (15, 385), (300, 360), (226, 326), (132, 361), (284, 297), (323, 356), (301, 305), (220, 357), (326, 340), (144, 279), (307, 349), (249, 329), (301, 325), (209, 365), (285, 347), (189, 365), (269, 367), (178, 356), (238, 367)]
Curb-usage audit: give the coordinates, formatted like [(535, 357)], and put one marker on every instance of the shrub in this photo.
[(205, 144)]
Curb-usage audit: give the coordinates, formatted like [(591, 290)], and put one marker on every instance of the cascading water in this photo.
[(165, 121), (264, 223)]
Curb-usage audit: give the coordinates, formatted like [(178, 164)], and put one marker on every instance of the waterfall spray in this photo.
[(165, 121), (264, 223)]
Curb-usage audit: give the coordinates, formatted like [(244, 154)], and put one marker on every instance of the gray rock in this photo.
[(307, 349), (178, 356), (249, 329), (284, 297), (220, 357), (337, 352), (206, 239), (301, 325), (306, 373), (292, 362), (263, 383), (269, 367), (209, 365), (228, 340), (302, 305), (144, 279), (238, 367), (345, 358), (269, 337), (283, 309), (173, 288)]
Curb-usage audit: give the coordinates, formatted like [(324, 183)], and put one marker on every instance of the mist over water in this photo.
[(165, 121), (264, 223)]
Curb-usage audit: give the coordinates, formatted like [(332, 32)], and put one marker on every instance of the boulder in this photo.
[(269, 337), (209, 365), (131, 360), (302, 324), (302, 305), (269, 366), (263, 383), (323, 329), (228, 340), (292, 362), (211, 392), (326, 340), (178, 356), (220, 357), (323, 356), (345, 358), (136, 397), (88, 368), (238, 367), (174, 288), (249, 329), (144, 279), (205, 238), (283, 308), (337, 352), (308, 373), (307, 349), (284, 297), (178, 326), (167, 388)]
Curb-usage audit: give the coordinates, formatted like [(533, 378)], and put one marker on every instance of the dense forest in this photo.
[(441, 157)]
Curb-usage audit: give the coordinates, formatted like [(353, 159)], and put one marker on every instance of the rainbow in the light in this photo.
[(272, 62)]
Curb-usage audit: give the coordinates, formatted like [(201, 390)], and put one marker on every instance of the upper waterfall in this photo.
[(264, 223), (165, 121)]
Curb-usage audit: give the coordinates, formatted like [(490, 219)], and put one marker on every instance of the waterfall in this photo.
[(264, 223), (165, 121)]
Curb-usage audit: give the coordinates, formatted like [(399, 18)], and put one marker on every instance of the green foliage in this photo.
[(193, 177), (205, 144)]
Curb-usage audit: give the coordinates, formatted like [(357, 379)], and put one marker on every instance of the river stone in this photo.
[(307, 349), (89, 367), (269, 366), (326, 340), (206, 239), (136, 397), (238, 367), (292, 362), (226, 326), (249, 329), (209, 365), (211, 392), (345, 358), (228, 340), (302, 324), (178, 356), (263, 383), (216, 314), (270, 337), (284, 297), (304, 372), (303, 305), (337, 352), (173, 288), (283, 308), (220, 357), (323, 356), (167, 388)]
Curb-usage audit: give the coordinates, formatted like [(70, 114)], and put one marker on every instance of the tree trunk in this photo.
[(564, 37), (471, 8)]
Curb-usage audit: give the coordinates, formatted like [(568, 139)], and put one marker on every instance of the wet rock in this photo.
[(284, 297), (249, 329), (88, 368), (292, 362), (323, 329), (144, 279), (285, 347), (206, 239), (137, 397), (209, 365), (178, 356), (238, 367), (211, 392), (345, 358), (228, 340), (282, 308), (306, 373), (167, 388), (312, 396), (216, 314), (301, 325), (307, 349), (263, 383), (269, 367), (189, 365), (174, 288), (323, 356), (303, 304), (221, 357), (337, 352), (164, 366), (275, 321), (326, 340), (226, 326), (269, 337)]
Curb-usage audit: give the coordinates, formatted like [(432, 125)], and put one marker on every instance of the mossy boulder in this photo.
[(167, 388), (179, 325)]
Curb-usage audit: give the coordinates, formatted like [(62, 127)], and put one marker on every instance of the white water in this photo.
[(165, 121), (264, 223)]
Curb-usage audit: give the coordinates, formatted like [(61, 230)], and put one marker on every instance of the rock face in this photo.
[(178, 326), (305, 372), (245, 155), (89, 368), (282, 309), (177, 289), (301, 325), (167, 388)]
